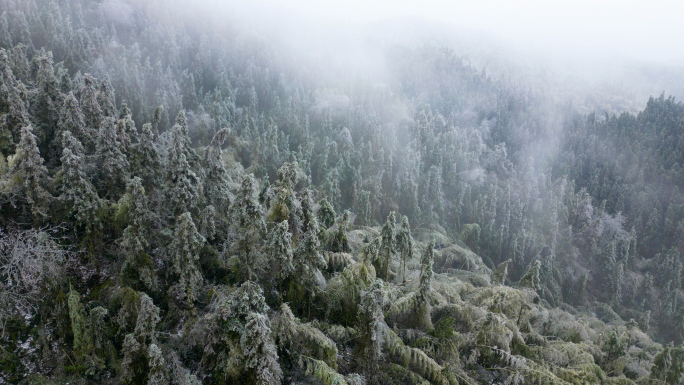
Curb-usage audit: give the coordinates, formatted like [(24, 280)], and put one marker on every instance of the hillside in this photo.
[(184, 200)]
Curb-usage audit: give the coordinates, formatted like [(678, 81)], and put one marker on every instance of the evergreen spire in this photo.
[(388, 243), (30, 180), (184, 251), (404, 244), (111, 162), (247, 227)]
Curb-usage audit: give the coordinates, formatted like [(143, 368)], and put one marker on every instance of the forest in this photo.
[(187, 202)]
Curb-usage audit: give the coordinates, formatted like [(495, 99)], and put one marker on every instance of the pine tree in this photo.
[(87, 95), (668, 366), (370, 329), (279, 255), (208, 223), (5, 36), (339, 242), (184, 251), (427, 261), (245, 314), (72, 120), (126, 132), (112, 164), (308, 216), (138, 263), (286, 206), (260, 352), (326, 213), (500, 274), (30, 180), (14, 114), (404, 245), (216, 188), (146, 159), (248, 227), (46, 104), (531, 277), (76, 191), (184, 187), (135, 364), (106, 100), (157, 366), (388, 243), (308, 262)]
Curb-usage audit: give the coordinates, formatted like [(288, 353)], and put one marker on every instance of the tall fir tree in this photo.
[(76, 191), (248, 227), (404, 245), (111, 163), (183, 191), (184, 251), (388, 244), (30, 182)]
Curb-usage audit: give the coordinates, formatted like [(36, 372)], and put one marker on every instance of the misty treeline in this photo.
[(185, 202)]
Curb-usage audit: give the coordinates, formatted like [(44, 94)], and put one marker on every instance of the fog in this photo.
[(630, 49), (632, 29)]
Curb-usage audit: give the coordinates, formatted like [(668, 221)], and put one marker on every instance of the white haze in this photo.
[(613, 54)]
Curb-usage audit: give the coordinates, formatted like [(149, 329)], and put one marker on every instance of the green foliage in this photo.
[(499, 275), (326, 213), (531, 277), (184, 252), (668, 366), (404, 245), (29, 181), (176, 263), (248, 226)]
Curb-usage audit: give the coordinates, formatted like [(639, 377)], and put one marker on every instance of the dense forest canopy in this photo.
[(187, 202)]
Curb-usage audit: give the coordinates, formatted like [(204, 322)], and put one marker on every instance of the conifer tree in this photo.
[(427, 261), (308, 216), (500, 274), (106, 100), (388, 243), (183, 189), (112, 164), (339, 242), (157, 366), (87, 95), (245, 314), (261, 355), (46, 104), (404, 244), (14, 114), (126, 132), (286, 206), (135, 364), (423, 308), (216, 182), (135, 244), (146, 159), (208, 223), (531, 277), (5, 36), (326, 213), (279, 255), (184, 251), (30, 180), (370, 329), (76, 191), (668, 365), (72, 120), (247, 227), (308, 262)]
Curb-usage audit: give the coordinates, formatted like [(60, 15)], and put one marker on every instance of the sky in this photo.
[(630, 29)]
